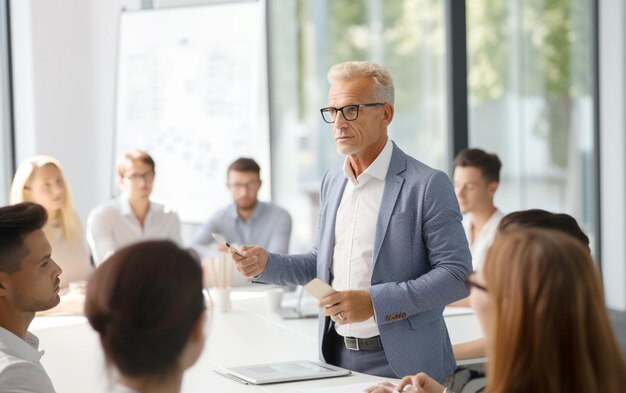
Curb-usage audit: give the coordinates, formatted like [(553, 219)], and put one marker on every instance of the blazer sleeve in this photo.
[(281, 232), (447, 259)]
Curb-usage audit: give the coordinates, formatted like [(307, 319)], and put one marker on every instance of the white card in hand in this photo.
[(319, 288)]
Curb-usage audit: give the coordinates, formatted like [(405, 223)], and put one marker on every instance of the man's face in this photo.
[(35, 287), (368, 133), (472, 190), (137, 179), (244, 187)]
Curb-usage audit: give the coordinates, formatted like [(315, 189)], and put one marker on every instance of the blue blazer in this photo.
[(420, 259)]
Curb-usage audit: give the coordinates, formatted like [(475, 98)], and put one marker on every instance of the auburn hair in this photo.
[(551, 330)]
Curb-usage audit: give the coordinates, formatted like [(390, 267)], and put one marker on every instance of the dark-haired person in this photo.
[(538, 218), (133, 216), (533, 218), (247, 220), (540, 303), (151, 330), (29, 282), (476, 179)]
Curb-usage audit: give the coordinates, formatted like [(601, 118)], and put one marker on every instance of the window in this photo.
[(306, 38), (530, 83), (6, 151)]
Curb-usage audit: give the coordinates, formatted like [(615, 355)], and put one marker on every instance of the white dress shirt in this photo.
[(355, 231), (480, 245), (20, 369), (119, 388), (113, 225)]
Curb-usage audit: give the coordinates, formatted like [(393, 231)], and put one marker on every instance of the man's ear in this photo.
[(492, 187), (388, 112), (5, 283)]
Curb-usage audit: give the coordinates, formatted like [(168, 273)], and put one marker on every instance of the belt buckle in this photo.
[(346, 341)]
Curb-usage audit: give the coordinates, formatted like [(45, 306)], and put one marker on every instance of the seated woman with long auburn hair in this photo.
[(540, 303)]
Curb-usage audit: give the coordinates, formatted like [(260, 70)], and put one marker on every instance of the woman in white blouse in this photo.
[(39, 179)]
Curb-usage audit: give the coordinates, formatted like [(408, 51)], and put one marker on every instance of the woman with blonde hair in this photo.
[(39, 179), (540, 303)]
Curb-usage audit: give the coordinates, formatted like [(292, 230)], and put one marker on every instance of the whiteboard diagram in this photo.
[(192, 92)]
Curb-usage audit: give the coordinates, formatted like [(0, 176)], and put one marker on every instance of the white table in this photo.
[(249, 334)]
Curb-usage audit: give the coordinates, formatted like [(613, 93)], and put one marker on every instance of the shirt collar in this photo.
[(377, 169), (125, 208), (257, 210), (23, 349)]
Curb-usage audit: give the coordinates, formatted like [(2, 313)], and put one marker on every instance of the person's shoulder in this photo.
[(275, 210), (106, 209), (163, 209), (18, 375), (271, 206), (222, 213), (417, 174), (412, 164), (334, 172), (333, 177)]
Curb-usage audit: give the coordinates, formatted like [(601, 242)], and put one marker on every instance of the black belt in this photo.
[(363, 344)]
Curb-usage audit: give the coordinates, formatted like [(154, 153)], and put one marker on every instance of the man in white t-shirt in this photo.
[(29, 282), (476, 179)]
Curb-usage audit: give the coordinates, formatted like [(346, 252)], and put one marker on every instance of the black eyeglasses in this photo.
[(349, 112), (469, 282)]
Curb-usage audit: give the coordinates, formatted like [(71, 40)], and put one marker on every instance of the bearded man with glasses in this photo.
[(389, 241), (247, 220)]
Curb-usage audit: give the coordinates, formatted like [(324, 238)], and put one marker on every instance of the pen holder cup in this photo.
[(273, 298), (221, 298)]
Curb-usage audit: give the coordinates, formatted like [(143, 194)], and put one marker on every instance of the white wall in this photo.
[(64, 73), (612, 27)]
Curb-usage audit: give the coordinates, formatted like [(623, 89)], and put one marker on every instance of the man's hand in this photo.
[(348, 306), (253, 263)]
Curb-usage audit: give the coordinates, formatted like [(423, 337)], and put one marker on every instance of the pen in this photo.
[(223, 241)]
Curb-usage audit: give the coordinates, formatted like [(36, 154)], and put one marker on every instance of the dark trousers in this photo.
[(367, 362)]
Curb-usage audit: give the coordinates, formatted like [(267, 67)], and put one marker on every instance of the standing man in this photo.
[(476, 179), (389, 240), (29, 282), (247, 220), (133, 216)]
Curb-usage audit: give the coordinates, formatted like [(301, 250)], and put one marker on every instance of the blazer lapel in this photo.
[(393, 185), (334, 199)]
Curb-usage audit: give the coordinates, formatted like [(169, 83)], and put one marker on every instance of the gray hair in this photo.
[(380, 76)]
